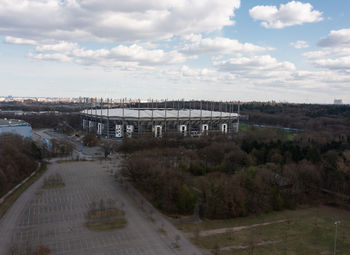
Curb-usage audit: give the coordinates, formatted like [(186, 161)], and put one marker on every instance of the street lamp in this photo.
[(335, 236)]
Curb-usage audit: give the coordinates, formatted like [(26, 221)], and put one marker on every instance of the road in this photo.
[(87, 154), (56, 217)]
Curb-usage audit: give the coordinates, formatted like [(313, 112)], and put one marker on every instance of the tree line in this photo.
[(257, 171), (18, 159)]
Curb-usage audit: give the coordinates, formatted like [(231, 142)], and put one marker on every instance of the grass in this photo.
[(53, 182), (309, 231), (290, 136), (162, 231), (17, 193), (100, 214), (107, 225), (243, 127)]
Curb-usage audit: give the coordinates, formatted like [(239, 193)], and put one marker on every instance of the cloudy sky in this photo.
[(262, 50)]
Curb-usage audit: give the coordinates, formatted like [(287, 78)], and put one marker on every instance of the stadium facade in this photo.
[(136, 122)]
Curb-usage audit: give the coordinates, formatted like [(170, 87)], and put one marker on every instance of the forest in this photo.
[(18, 159), (257, 171), (307, 117)]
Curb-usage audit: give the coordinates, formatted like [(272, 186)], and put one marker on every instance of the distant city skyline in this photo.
[(295, 51)]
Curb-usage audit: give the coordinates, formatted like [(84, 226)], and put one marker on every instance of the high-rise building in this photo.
[(338, 101)]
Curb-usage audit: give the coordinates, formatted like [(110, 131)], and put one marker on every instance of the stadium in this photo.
[(157, 122)]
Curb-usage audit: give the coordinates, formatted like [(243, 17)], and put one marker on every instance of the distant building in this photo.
[(338, 101), (19, 127)]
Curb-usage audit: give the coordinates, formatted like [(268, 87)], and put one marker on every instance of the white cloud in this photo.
[(61, 46), (327, 52), (335, 53), (300, 44), (253, 64), (52, 57), (290, 14), (120, 56), (204, 74), (18, 40), (333, 59), (219, 45), (337, 38), (113, 20), (341, 63), (259, 70)]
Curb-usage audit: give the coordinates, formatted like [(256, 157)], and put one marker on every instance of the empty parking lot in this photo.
[(56, 217)]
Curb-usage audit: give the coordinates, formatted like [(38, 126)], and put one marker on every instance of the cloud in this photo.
[(52, 57), (266, 73), (335, 53), (337, 38), (252, 64), (113, 20), (259, 70), (204, 74), (340, 63), (17, 40), (218, 45), (330, 58), (61, 46), (300, 44), (120, 56), (290, 14)]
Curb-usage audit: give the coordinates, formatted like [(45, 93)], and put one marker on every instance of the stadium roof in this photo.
[(12, 122), (157, 113)]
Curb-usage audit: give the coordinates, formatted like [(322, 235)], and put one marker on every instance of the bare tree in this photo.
[(215, 250), (107, 147)]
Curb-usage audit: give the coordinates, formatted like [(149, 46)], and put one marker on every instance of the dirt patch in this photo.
[(239, 228)]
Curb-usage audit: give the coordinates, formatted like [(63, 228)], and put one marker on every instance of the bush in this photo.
[(18, 159), (91, 140)]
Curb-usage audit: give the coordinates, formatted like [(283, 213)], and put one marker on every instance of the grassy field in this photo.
[(13, 197), (243, 127), (100, 214), (106, 225), (308, 231)]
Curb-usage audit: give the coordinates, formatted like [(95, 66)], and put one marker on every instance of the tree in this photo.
[(42, 250), (107, 147), (90, 140), (215, 250), (186, 200)]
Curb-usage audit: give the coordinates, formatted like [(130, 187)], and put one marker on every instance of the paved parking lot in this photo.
[(56, 217)]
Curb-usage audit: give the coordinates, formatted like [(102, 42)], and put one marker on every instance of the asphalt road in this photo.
[(56, 217), (86, 154)]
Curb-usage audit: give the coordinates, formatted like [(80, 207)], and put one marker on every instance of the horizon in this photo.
[(158, 100)]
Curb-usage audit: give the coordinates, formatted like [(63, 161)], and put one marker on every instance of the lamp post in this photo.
[(335, 236)]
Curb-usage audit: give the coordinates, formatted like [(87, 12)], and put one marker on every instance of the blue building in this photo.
[(19, 127)]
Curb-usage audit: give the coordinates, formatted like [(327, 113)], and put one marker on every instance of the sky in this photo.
[(247, 50)]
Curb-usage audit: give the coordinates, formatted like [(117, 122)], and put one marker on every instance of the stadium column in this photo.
[(165, 116), (189, 119), (229, 118), (238, 112), (153, 127), (108, 118), (101, 103), (138, 120), (123, 119), (211, 117), (178, 114)]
